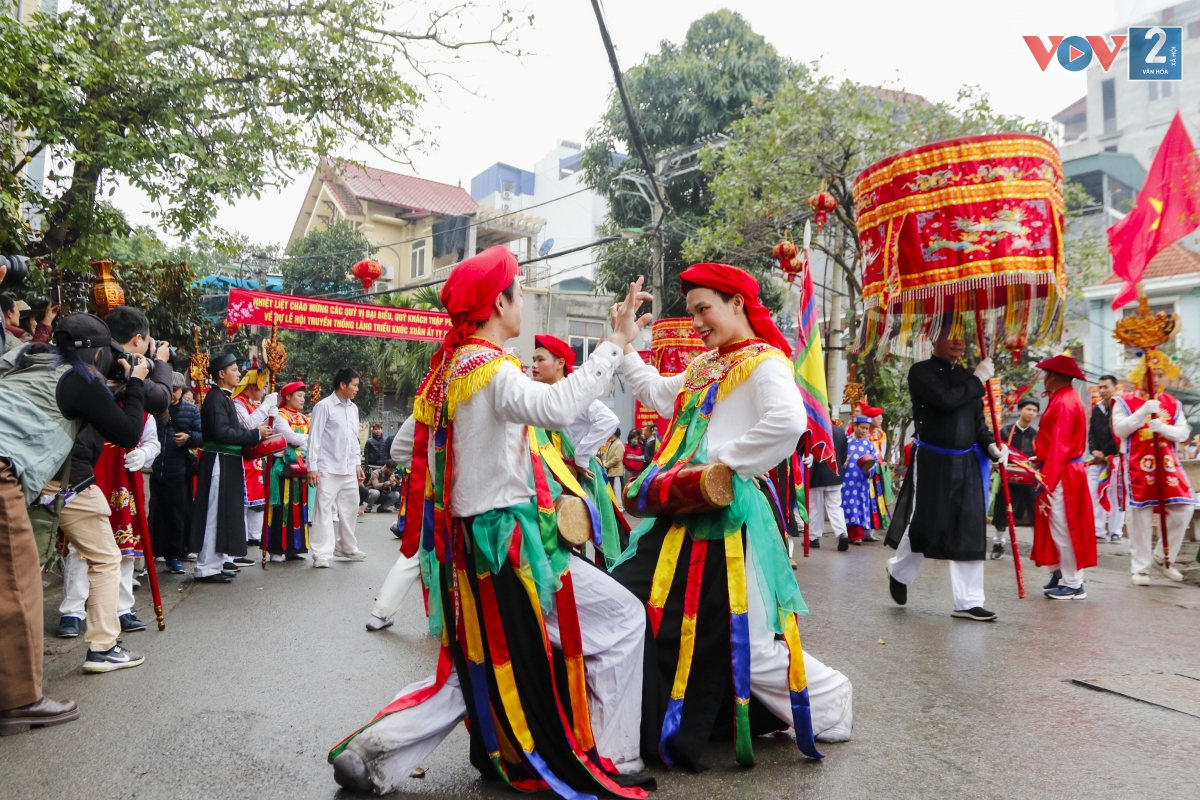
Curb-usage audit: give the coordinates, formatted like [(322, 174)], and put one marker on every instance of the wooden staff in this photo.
[(1160, 476), (806, 448), (139, 497), (1012, 524)]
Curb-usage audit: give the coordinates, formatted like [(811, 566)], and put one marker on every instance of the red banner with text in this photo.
[(333, 316)]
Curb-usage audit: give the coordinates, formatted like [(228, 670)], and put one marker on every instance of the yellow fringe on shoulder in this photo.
[(739, 372), (423, 411), (462, 389)]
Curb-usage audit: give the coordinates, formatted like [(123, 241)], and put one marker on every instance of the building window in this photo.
[(584, 336), (1158, 90), (1108, 99), (417, 260), (507, 186)]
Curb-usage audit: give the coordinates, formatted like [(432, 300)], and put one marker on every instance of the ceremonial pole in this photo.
[(275, 358), (1160, 477), (139, 497), (987, 389), (806, 447)]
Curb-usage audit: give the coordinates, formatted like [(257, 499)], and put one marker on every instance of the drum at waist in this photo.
[(574, 519), (702, 487), (266, 447)]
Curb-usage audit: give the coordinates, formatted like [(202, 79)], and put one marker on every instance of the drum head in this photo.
[(574, 521)]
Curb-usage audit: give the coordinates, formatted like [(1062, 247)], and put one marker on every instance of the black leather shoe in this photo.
[(898, 590), (351, 773), (997, 550), (814, 544), (220, 577), (41, 714), (843, 544)]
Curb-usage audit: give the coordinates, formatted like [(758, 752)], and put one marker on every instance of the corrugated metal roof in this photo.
[(401, 191)]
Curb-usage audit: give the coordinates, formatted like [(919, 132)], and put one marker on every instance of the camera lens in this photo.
[(18, 270)]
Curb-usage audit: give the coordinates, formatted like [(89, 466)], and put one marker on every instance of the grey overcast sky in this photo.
[(522, 106)]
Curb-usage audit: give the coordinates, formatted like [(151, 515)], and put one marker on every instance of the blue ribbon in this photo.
[(985, 463)]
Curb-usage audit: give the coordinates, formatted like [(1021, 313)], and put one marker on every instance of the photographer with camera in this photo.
[(131, 333), (47, 400)]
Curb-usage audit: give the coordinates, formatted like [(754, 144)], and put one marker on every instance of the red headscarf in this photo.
[(468, 294), (558, 348), (289, 388), (731, 280)]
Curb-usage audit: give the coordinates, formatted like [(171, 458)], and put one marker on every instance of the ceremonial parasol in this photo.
[(962, 228)]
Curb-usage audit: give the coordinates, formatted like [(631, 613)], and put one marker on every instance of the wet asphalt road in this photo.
[(252, 683)]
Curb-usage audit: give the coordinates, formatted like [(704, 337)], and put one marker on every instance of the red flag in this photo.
[(1168, 208)]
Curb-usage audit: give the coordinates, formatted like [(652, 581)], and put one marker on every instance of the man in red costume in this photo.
[(1062, 524), (1136, 419)]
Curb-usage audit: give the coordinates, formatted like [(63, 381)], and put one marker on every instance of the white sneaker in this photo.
[(321, 563), (276, 558), (378, 623), (357, 555), (1140, 579), (1170, 573)]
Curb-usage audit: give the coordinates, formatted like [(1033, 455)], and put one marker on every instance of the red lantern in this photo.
[(232, 327), (822, 204), (788, 256), (367, 271)]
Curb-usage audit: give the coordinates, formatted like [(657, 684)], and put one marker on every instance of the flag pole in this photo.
[(1012, 525), (1159, 473), (139, 497), (806, 446)]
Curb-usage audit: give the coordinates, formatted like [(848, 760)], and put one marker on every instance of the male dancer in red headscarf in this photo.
[(499, 585), (1063, 537)]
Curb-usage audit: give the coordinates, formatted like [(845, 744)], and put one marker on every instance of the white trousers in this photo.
[(338, 492), (208, 560), (830, 693), (254, 522), (1060, 531), (76, 590), (400, 578), (1140, 522), (966, 577), (823, 500), (1107, 523), (613, 627)]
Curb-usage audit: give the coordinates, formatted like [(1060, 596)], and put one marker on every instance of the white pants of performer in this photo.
[(825, 500), (1060, 531), (1140, 521), (338, 492), (76, 591), (830, 693), (1108, 523), (613, 627), (400, 578), (254, 522), (208, 560)]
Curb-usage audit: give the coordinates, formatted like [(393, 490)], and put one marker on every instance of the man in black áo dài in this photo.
[(942, 508)]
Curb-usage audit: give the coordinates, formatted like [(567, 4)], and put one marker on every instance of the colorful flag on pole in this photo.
[(1168, 208), (809, 360)]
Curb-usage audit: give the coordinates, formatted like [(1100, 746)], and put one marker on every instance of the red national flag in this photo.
[(1168, 208)]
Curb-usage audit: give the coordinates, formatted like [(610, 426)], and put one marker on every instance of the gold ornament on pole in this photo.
[(107, 293), (197, 367)]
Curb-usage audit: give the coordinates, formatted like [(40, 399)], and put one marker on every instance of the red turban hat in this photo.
[(558, 348), (289, 388), (470, 291), (731, 280), (1063, 365)]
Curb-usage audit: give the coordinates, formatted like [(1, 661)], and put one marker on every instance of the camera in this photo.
[(172, 352), (116, 372), (18, 270)]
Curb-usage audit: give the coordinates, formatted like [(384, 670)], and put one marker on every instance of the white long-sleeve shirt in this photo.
[(590, 431), (490, 458), (1125, 424), (149, 443), (297, 440), (333, 437), (752, 430), (250, 419)]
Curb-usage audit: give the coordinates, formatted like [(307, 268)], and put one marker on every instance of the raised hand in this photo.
[(626, 323)]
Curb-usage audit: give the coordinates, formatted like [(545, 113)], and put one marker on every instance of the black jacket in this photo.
[(120, 424), (1100, 434), (172, 461), (822, 474), (375, 451)]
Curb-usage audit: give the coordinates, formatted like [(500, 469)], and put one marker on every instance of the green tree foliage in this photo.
[(320, 263), (681, 93), (200, 102)]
